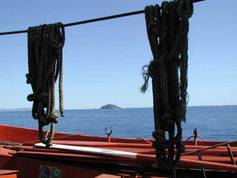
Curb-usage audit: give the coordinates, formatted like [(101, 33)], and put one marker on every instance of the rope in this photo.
[(45, 43), (167, 30)]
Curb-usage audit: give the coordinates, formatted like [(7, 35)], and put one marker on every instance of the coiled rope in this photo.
[(167, 30), (45, 44)]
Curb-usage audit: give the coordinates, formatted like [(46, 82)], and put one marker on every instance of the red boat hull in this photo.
[(91, 156)]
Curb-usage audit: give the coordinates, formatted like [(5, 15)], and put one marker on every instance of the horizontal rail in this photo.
[(208, 148), (89, 20)]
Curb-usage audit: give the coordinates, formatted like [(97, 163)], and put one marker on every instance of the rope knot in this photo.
[(53, 117), (31, 97), (28, 78), (153, 68)]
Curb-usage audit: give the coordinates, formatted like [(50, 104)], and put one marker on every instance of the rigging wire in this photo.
[(90, 20)]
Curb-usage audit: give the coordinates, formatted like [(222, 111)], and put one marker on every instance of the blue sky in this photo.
[(103, 60)]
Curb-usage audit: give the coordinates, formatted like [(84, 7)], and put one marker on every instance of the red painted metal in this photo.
[(8, 174), (17, 152)]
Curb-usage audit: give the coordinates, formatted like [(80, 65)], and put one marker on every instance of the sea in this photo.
[(212, 122)]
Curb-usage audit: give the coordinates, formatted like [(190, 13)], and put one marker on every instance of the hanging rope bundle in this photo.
[(167, 29), (45, 43)]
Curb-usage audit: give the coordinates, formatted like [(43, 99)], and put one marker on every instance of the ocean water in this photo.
[(212, 122)]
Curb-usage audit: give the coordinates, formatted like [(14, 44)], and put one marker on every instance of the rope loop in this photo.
[(167, 29), (45, 43)]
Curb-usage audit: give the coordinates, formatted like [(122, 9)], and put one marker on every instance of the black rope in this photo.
[(167, 30), (90, 20)]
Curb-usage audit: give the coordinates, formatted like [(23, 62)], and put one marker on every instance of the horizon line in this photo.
[(29, 108)]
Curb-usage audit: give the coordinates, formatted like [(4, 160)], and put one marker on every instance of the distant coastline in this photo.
[(14, 109), (29, 109)]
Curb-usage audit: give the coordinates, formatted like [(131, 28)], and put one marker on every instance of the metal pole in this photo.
[(90, 20)]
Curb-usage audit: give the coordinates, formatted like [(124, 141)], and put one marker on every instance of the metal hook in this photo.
[(195, 135), (108, 132)]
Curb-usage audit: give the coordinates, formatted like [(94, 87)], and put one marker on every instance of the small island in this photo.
[(110, 106)]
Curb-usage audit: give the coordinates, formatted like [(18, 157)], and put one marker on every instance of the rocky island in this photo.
[(110, 106)]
